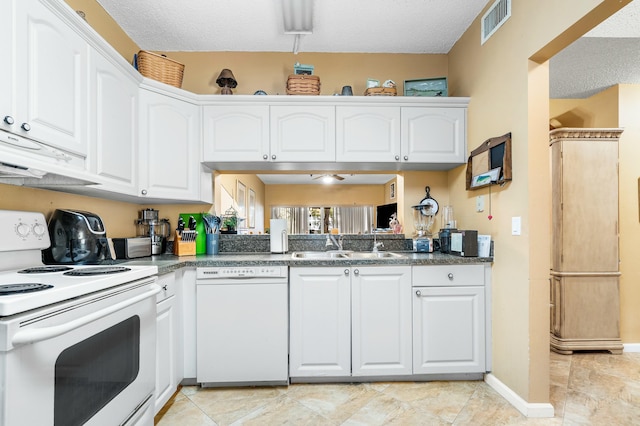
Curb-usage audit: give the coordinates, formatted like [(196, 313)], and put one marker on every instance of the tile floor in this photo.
[(586, 389)]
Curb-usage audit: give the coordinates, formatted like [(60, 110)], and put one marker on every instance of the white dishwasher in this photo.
[(242, 325)]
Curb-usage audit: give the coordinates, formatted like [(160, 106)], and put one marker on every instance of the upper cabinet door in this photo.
[(114, 126), (50, 79), (169, 148), (368, 134), (236, 133), (433, 135), (303, 133)]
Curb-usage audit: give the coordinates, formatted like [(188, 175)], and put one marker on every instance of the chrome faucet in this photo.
[(376, 244), (333, 241)]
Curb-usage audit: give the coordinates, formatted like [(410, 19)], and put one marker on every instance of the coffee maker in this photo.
[(148, 225)]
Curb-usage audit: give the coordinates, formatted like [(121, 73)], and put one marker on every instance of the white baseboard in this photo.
[(528, 409), (631, 347)]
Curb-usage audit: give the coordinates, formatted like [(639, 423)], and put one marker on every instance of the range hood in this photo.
[(23, 176)]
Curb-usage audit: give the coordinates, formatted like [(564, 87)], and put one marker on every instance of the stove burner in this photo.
[(44, 269), (9, 289), (81, 272)]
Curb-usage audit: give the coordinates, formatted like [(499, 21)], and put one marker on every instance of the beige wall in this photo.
[(118, 217), (509, 93), (230, 183), (599, 110), (618, 106)]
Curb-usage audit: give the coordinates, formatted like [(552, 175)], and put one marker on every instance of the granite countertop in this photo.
[(168, 262)]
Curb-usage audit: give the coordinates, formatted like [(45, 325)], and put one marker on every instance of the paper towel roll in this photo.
[(278, 237)]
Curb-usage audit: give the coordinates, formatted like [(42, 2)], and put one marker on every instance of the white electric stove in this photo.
[(26, 283), (76, 341)]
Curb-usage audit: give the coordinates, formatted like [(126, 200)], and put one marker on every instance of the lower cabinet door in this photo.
[(165, 353), (320, 322), (381, 320), (448, 330)]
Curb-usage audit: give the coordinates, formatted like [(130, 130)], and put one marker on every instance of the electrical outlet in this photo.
[(480, 203)]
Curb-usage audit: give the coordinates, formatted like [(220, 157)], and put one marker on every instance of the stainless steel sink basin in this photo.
[(344, 254), (333, 254), (374, 255)]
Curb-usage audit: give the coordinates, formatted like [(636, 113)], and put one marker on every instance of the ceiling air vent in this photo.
[(497, 15)]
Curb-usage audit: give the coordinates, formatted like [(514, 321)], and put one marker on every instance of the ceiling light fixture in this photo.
[(298, 19)]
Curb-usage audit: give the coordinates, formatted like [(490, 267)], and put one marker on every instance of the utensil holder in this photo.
[(183, 248), (213, 243)]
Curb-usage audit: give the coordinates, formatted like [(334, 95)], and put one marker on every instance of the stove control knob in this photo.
[(39, 230), (22, 229)]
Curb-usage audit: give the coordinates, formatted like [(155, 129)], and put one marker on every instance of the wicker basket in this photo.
[(303, 84), (160, 68), (381, 91)]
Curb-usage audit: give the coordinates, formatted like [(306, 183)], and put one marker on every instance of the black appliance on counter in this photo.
[(77, 237)]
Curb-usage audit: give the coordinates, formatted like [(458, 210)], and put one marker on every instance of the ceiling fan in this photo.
[(327, 178)]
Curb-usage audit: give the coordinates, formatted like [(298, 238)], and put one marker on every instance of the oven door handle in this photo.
[(38, 334)]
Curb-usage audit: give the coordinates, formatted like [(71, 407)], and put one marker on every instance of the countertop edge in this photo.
[(167, 263)]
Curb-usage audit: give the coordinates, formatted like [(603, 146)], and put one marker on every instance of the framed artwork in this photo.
[(252, 209), (241, 199), (392, 190)]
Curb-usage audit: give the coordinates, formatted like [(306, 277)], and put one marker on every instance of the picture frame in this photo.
[(241, 199), (426, 87), (392, 191), (252, 209)]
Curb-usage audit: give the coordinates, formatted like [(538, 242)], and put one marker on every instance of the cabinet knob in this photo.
[(265, 157), (406, 158), (450, 275), (418, 293), (164, 287), (8, 120), (26, 127), (397, 157), (346, 272), (356, 271), (273, 157), (143, 192)]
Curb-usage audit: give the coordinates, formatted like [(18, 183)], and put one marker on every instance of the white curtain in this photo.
[(348, 220)]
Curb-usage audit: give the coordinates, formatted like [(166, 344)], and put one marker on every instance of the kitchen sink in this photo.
[(332, 254), (344, 254)]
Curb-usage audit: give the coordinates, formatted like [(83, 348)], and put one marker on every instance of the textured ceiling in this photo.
[(393, 26), (607, 55)]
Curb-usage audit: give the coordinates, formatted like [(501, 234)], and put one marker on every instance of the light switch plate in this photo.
[(480, 203), (516, 225)]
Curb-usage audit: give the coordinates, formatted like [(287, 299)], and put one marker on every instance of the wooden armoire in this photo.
[(585, 299)]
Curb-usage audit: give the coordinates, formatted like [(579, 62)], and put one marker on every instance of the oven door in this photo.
[(86, 361)]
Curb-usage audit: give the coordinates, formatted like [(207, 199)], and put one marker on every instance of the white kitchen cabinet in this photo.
[(169, 148), (236, 133), (320, 322), (381, 320), (114, 126), (167, 341), (433, 135), (350, 321), (449, 319), (368, 133), (44, 80), (301, 133)]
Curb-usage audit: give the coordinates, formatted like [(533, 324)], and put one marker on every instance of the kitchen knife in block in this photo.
[(184, 243)]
